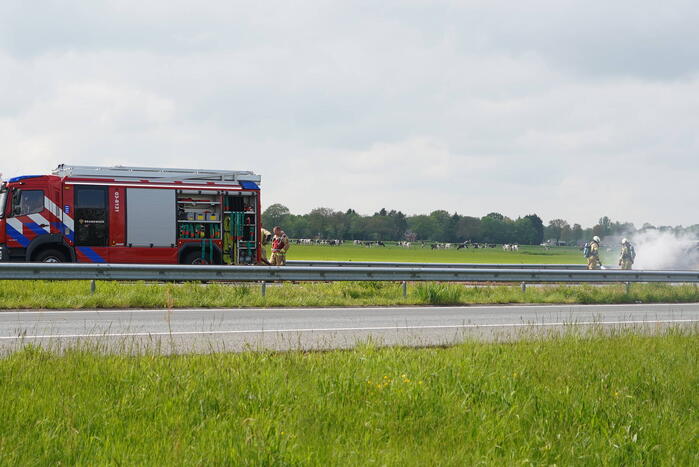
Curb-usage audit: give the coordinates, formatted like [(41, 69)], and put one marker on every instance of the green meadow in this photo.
[(417, 254)]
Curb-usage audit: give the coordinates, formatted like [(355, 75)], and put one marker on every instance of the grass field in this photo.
[(590, 400), (392, 253), (76, 294)]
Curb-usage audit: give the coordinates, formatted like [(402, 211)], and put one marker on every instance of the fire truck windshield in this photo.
[(3, 198)]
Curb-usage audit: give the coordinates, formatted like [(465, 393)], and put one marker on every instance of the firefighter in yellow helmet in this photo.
[(592, 253), (628, 254), (280, 245), (265, 237)]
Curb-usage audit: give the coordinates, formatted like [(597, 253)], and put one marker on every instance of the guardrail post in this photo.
[(93, 287), (404, 287), (628, 288), (263, 288), (524, 286)]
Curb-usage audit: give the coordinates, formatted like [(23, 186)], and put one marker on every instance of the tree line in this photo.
[(440, 226)]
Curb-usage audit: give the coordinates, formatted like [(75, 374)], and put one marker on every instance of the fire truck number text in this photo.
[(116, 201)]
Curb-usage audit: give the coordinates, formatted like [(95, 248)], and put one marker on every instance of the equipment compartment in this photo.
[(240, 228), (198, 215)]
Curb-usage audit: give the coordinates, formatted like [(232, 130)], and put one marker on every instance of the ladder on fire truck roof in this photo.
[(120, 172)]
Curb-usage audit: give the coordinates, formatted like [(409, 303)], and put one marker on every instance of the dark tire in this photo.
[(50, 256), (194, 257)]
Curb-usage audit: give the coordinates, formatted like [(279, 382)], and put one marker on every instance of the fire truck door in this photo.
[(28, 217), (91, 224)]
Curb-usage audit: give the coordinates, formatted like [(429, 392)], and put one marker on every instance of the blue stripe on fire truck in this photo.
[(34, 227), (19, 238), (91, 254)]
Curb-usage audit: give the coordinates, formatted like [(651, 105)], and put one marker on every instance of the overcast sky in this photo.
[(571, 109)]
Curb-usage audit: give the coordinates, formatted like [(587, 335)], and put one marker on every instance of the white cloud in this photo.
[(590, 109)]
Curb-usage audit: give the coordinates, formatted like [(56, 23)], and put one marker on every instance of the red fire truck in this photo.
[(131, 215)]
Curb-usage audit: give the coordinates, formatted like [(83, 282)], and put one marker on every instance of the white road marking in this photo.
[(394, 308), (379, 328)]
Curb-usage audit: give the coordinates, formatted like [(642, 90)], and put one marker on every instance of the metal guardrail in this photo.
[(378, 264), (134, 272)]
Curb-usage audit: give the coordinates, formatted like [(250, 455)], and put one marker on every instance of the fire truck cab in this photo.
[(131, 215)]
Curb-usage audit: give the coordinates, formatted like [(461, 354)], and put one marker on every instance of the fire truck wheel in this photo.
[(194, 257), (51, 256)]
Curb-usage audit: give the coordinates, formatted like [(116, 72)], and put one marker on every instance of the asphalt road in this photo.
[(205, 330)]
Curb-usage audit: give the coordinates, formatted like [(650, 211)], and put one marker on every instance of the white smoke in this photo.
[(665, 250)]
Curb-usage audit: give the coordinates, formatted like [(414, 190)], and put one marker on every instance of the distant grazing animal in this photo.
[(371, 244)]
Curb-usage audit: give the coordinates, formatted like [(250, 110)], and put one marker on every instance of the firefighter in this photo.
[(266, 235), (280, 245), (592, 254), (628, 254)]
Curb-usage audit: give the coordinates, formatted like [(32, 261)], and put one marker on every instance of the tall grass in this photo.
[(578, 399), (76, 294), (439, 294)]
